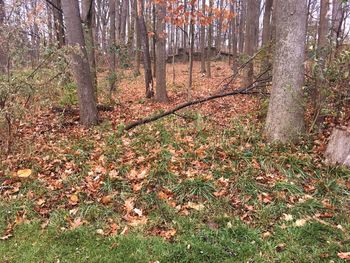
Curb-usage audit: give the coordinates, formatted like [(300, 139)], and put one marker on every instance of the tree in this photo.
[(3, 57), (145, 49), (112, 47), (285, 118), (210, 34), (80, 64), (267, 31), (202, 39), (161, 93), (190, 63), (250, 37), (58, 23), (88, 16), (337, 21)]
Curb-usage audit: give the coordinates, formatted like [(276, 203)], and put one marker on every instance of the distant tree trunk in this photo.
[(137, 43), (131, 33), (250, 37), (202, 40), (285, 118), (88, 15), (3, 56), (154, 40), (218, 38), (210, 33), (80, 64), (161, 93), (49, 23), (323, 25), (337, 21), (145, 48), (234, 39), (112, 48), (190, 66), (242, 24), (123, 18), (58, 23), (266, 34)]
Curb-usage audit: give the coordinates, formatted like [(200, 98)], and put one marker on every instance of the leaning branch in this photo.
[(246, 90)]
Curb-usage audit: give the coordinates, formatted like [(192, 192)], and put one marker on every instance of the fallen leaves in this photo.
[(344, 255), (25, 173)]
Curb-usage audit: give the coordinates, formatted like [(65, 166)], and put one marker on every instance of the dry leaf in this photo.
[(344, 255), (74, 198), (300, 222), (106, 199), (25, 173)]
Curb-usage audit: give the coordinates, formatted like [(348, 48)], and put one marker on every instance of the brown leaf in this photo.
[(344, 255)]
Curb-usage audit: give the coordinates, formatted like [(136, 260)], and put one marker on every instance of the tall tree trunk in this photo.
[(49, 24), (250, 37), (112, 48), (234, 38), (218, 39), (88, 15), (337, 20), (266, 34), (190, 66), (154, 40), (80, 65), (202, 40), (137, 43), (323, 25), (285, 118), (210, 34), (123, 17), (161, 93), (3, 55), (242, 25), (58, 23), (145, 49)]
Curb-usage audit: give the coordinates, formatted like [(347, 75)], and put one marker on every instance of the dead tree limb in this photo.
[(246, 90)]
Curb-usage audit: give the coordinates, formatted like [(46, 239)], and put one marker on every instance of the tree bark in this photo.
[(161, 92), (58, 23), (137, 43), (190, 64), (88, 15), (337, 21), (112, 47), (323, 25), (266, 35), (145, 49), (285, 118), (202, 40), (242, 25), (210, 33), (3, 56), (80, 64)]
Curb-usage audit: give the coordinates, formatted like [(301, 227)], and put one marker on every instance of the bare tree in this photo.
[(202, 40), (145, 49), (161, 93), (285, 118), (80, 64), (210, 33), (3, 56), (112, 48), (58, 23)]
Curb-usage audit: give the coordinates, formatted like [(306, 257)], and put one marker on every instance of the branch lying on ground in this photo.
[(245, 90), (72, 111)]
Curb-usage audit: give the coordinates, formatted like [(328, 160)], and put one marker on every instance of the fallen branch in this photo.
[(245, 90)]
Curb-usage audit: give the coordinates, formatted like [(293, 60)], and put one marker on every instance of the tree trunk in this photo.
[(210, 33), (190, 66), (250, 38), (202, 40), (242, 25), (161, 93), (112, 48), (145, 48), (234, 39), (3, 56), (266, 34), (337, 20), (154, 40), (323, 25), (88, 15), (137, 43), (218, 39), (285, 118), (58, 23), (80, 64), (123, 17)]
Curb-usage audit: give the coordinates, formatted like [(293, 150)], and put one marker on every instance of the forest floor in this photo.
[(201, 186)]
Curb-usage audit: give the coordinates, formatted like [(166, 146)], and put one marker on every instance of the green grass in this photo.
[(226, 173)]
